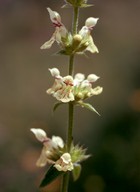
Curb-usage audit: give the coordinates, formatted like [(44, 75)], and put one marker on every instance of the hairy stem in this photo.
[(71, 106), (70, 127), (75, 20)]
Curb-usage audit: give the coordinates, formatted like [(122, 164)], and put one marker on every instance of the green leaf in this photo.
[(50, 176), (86, 5), (56, 105), (88, 106), (66, 6), (62, 52), (76, 171)]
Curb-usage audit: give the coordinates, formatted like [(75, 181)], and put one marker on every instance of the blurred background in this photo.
[(113, 139)]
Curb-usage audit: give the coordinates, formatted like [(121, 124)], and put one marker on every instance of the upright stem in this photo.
[(70, 126), (74, 31), (71, 65), (71, 106), (75, 20)]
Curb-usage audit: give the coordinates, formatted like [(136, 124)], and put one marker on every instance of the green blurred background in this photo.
[(113, 138)]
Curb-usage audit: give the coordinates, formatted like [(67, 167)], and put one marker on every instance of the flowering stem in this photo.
[(75, 20), (74, 31), (65, 182), (71, 106), (70, 127), (71, 71)]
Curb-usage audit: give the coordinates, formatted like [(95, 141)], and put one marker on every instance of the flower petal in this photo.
[(97, 90), (58, 141), (66, 158), (84, 31), (55, 72), (92, 78), (54, 16), (49, 43), (79, 77), (42, 161), (40, 134), (64, 163), (91, 22), (92, 47)]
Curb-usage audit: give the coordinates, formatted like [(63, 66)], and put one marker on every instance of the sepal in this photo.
[(78, 154)]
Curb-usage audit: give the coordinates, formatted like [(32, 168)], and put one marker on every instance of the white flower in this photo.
[(60, 30), (48, 146), (64, 163), (62, 88), (85, 33), (66, 89), (83, 89)]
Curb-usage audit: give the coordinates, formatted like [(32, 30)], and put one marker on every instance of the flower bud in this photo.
[(77, 38), (76, 41), (80, 96), (91, 22)]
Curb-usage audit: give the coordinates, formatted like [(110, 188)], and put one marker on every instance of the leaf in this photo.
[(56, 105), (86, 5), (66, 6), (50, 176), (76, 171), (88, 106), (62, 52)]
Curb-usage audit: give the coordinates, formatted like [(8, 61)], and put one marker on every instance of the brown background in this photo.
[(113, 138)]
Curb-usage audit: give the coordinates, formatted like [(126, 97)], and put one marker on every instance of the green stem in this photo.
[(70, 126), (65, 182), (71, 106), (74, 31), (71, 65), (75, 20)]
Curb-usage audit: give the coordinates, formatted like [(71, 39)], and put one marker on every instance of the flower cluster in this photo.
[(66, 89), (51, 147), (69, 44), (54, 152)]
